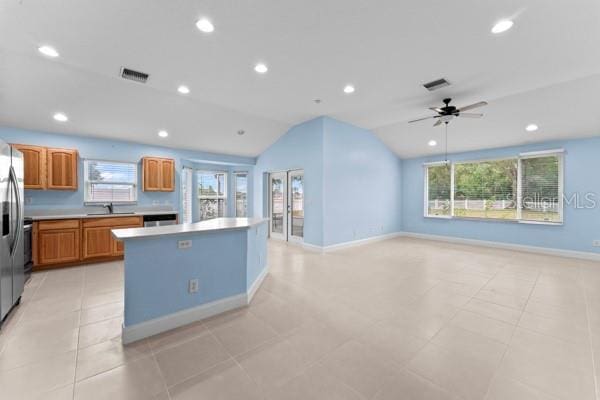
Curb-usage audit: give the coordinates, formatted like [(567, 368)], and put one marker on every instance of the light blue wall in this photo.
[(362, 184), (115, 151), (300, 148), (256, 261), (581, 225)]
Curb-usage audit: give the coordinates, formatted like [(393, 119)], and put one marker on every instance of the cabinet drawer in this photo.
[(58, 224), (112, 221)]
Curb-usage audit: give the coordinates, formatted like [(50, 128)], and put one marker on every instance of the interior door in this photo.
[(277, 205), (295, 205)]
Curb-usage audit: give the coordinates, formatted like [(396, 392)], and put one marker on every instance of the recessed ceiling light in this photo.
[(432, 143), (531, 128), (60, 117), (163, 134), (183, 89), (241, 132), (205, 25), (48, 51), (502, 26), (348, 89), (261, 68)]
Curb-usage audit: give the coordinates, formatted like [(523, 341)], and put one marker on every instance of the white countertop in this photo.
[(68, 215), (217, 224)]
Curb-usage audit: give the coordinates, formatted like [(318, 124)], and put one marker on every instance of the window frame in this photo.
[(236, 174), (559, 153), (87, 182), (216, 197)]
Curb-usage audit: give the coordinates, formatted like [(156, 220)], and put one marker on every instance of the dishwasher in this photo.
[(160, 220)]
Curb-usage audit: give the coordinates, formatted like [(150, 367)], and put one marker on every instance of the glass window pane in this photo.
[(277, 206), (438, 190), (540, 191), (110, 181), (297, 205), (241, 195), (486, 189)]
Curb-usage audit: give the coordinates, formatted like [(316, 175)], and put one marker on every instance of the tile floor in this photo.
[(400, 319)]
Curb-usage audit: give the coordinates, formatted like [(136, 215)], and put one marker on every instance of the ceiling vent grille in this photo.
[(437, 84), (132, 75)]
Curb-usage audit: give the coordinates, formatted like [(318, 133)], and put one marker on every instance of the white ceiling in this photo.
[(543, 70)]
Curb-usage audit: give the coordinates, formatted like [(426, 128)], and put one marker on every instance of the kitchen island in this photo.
[(179, 274)]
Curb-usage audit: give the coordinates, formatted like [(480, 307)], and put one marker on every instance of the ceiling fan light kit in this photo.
[(448, 112)]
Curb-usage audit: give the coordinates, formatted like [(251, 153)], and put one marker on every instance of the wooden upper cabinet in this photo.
[(34, 163), (62, 169), (167, 175), (158, 174)]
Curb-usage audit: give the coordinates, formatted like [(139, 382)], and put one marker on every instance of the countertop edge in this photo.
[(87, 216), (163, 231)]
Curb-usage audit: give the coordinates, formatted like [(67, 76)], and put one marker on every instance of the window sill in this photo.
[(514, 221)]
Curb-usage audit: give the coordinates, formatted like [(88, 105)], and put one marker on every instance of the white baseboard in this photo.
[(507, 246), (184, 317), (256, 285), (353, 243)]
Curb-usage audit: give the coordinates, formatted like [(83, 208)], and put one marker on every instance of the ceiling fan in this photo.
[(447, 113)]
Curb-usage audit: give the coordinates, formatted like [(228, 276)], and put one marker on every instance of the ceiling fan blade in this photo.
[(422, 119), (436, 109), (472, 106), (470, 115), (439, 122)]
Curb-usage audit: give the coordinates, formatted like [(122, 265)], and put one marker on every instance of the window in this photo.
[(438, 183), (186, 194), (541, 188), (241, 194), (486, 189), (212, 194), (110, 181), (524, 188)]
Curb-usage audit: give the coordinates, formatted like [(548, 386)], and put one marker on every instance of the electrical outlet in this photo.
[(596, 243), (184, 244), (193, 286)]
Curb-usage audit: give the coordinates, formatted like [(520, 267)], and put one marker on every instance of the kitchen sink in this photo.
[(113, 213)]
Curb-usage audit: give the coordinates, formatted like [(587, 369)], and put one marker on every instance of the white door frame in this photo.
[(291, 174), (283, 177)]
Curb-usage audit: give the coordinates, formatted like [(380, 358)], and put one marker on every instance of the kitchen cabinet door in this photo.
[(62, 169), (97, 242), (151, 174), (167, 175), (34, 165), (57, 246)]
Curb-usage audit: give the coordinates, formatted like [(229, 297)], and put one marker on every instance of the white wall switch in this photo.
[(184, 244), (193, 286), (596, 243)]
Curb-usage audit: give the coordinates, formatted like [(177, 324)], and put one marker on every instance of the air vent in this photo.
[(136, 76), (437, 84)]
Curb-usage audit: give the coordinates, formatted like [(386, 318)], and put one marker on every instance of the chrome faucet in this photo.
[(109, 206)]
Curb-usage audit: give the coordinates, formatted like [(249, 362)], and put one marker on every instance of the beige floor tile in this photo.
[(361, 367), (459, 373), (48, 374), (272, 364), (176, 336), (101, 313), (137, 380), (316, 383), (503, 299), (315, 339), (474, 345), (492, 310), (107, 355), (555, 378), (241, 332), (503, 388), (393, 340), (63, 393), (409, 386), (489, 327), (99, 332), (190, 358), (279, 315), (94, 300), (559, 328), (226, 381)]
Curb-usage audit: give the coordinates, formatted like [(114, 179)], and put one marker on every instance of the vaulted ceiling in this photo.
[(546, 70)]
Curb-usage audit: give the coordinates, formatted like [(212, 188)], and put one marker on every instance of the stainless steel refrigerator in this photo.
[(12, 278)]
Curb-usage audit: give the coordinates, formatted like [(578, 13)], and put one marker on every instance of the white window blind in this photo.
[(186, 194), (541, 192), (110, 181), (438, 186)]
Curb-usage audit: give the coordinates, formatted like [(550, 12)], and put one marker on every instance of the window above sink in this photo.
[(110, 181)]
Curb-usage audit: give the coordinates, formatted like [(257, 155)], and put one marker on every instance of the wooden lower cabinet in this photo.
[(71, 241)]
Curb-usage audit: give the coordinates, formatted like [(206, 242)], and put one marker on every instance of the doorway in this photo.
[(286, 205)]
